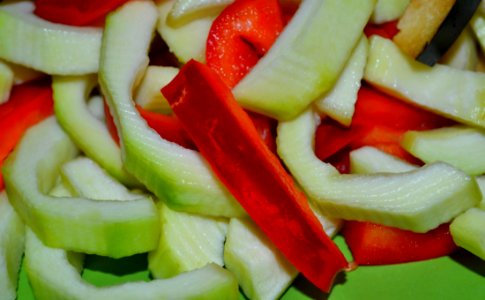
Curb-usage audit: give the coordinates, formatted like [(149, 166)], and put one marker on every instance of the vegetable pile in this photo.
[(229, 144)]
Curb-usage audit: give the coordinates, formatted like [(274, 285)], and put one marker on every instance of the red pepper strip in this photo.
[(241, 35), (76, 12), (373, 244), (28, 104), (375, 108), (266, 128), (110, 124), (386, 30), (331, 137), (386, 139), (168, 127), (289, 8), (380, 121), (227, 138)]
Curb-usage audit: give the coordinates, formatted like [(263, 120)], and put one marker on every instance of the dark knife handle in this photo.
[(459, 16)]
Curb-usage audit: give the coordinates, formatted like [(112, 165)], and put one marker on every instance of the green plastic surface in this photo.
[(461, 276)]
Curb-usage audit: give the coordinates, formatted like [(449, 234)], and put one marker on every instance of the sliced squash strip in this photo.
[(110, 228), (12, 240), (55, 274), (177, 175), (48, 47), (306, 59), (417, 200), (450, 92), (89, 134)]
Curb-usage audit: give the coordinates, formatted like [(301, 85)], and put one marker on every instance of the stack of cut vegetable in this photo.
[(208, 149)]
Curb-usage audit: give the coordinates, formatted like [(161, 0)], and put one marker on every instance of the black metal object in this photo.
[(459, 16)]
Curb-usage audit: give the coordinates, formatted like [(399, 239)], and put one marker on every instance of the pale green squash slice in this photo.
[(89, 133), (187, 40), (186, 10), (339, 102), (55, 274), (261, 269), (460, 146), (12, 235), (417, 200), (109, 228), (187, 242), (306, 59), (177, 175), (453, 93), (367, 160), (48, 47)]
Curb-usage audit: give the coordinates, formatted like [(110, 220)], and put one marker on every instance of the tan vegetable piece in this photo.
[(419, 24)]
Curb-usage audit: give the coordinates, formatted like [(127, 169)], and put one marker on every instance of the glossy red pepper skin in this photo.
[(379, 120), (373, 244), (169, 127), (76, 12), (386, 30), (27, 105), (227, 138), (241, 35)]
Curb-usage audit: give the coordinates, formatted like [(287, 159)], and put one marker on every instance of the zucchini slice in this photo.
[(12, 240), (185, 10), (48, 47), (339, 102), (177, 175), (85, 178), (187, 40), (468, 231), (187, 242), (367, 159), (453, 93), (109, 228), (459, 146), (417, 200), (89, 134), (148, 93), (388, 10), (306, 59), (6, 81), (55, 274), (261, 269)]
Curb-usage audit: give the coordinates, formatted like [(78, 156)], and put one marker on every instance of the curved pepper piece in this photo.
[(76, 12), (374, 244), (240, 35), (229, 141), (28, 104)]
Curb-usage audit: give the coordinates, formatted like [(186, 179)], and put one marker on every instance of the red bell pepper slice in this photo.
[(266, 128), (227, 138), (76, 12), (170, 128), (241, 35), (373, 244), (375, 108), (386, 30), (379, 120), (27, 105), (331, 137)]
